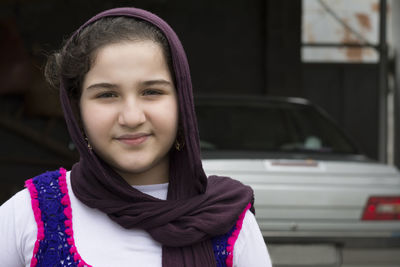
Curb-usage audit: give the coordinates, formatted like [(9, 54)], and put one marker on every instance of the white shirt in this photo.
[(103, 243)]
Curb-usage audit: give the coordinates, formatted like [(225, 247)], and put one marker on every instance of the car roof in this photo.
[(249, 99)]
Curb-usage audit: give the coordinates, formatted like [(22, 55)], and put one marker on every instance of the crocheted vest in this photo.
[(55, 245)]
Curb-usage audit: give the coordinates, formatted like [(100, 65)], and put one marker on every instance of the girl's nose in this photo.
[(131, 114)]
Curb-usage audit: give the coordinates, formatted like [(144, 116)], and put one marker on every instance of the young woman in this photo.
[(139, 195)]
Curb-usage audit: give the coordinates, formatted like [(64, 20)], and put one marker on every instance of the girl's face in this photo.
[(129, 110)]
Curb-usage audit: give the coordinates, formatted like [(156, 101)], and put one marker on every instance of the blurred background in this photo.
[(341, 55)]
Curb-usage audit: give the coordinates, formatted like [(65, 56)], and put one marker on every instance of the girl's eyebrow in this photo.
[(102, 85), (157, 82)]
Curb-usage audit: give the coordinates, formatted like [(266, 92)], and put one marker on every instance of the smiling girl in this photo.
[(138, 195)]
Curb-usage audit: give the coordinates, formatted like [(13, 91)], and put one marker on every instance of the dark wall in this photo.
[(283, 39), (224, 41)]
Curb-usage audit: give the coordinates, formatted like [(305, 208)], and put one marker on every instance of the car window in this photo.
[(269, 127)]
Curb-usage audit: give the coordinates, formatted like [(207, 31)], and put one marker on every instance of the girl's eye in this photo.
[(107, 95), (152, 92)]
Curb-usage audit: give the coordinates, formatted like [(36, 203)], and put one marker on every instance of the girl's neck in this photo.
[(157, 174)]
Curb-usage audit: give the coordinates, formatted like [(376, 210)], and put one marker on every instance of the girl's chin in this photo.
[(129, 170)]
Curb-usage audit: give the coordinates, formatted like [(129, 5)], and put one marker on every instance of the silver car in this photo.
[(319, 201)]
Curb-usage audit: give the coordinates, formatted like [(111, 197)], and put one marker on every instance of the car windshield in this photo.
[(269, 127)]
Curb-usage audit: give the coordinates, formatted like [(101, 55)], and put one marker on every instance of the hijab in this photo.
[(197, 207)]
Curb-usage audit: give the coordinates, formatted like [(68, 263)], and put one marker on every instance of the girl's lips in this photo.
[(133, 139)]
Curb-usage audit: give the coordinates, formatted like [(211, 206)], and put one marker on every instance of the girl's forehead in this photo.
[(114, 48), (129, 62), (130, 52)]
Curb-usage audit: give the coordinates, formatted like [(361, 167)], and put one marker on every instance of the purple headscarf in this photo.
[(197, 208)]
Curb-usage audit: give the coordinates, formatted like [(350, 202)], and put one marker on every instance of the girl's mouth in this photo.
[(133, 139)]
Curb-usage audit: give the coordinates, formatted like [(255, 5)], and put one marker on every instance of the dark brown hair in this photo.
[(77, 55)]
